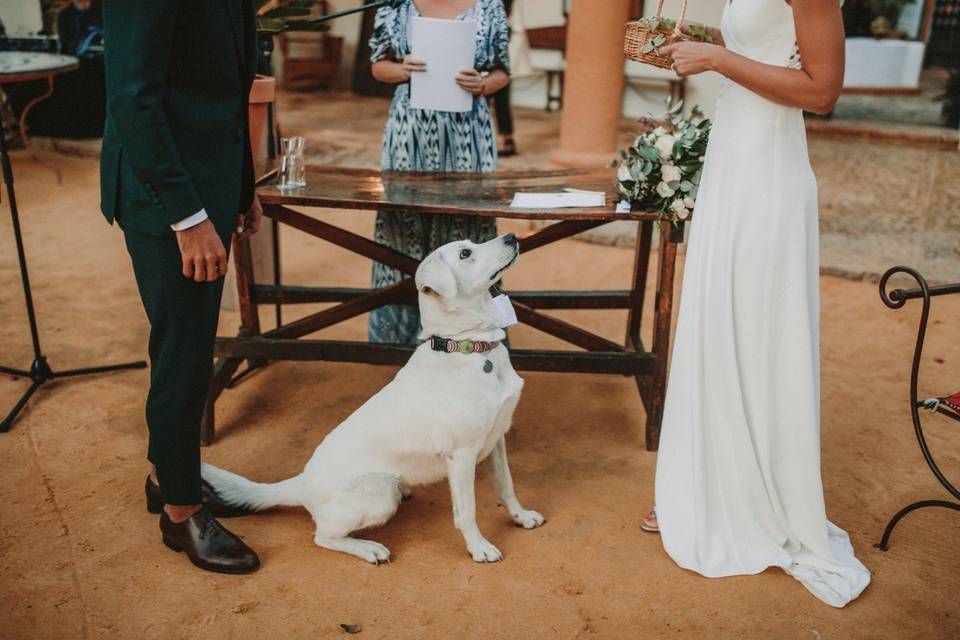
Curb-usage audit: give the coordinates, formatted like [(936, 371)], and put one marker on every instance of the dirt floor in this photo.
[(80, 556)]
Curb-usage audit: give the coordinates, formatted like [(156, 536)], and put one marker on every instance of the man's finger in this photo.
[(213, 267), (199, 270), (221, 264), (187, 267), (668, 50)]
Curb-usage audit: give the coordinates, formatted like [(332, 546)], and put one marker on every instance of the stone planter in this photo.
[(262, 94)]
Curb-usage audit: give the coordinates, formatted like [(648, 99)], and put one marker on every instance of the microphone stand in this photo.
[(346, 12), (40, 372)]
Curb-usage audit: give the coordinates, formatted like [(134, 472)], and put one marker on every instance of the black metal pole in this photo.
[(347, 12), (40, 372), (21, 255)]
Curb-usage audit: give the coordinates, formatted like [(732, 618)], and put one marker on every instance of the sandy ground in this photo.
[(80, 556)]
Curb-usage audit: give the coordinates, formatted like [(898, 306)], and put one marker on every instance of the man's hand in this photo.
[(249, 222), (202, 252)]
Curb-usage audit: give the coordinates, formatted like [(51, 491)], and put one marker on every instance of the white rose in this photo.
[(689, 202), (677, 205), (664, 190), (671, 173), (664, 145), (683, 215), (659, 131), (624, 173)]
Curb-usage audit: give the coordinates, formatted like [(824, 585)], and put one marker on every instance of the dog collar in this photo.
[(447, 345)]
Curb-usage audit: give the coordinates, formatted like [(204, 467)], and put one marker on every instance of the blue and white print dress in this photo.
[(422, 140)]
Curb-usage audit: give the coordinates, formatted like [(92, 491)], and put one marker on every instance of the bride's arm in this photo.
[(814, 87)]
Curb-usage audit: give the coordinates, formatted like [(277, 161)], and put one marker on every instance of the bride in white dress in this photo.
[(738, 484)]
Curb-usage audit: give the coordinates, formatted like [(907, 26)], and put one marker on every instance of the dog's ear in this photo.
[(434, 277)]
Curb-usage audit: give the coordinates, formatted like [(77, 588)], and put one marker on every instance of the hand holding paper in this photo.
[(447, 47)]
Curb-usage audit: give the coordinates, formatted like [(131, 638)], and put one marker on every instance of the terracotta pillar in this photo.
[(593, 91)]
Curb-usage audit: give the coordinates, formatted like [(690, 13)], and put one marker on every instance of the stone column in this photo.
[(593, 91)]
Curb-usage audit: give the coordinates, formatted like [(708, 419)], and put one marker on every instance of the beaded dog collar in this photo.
[(447, 345)]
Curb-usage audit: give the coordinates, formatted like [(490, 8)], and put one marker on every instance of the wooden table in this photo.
[(26, 66), (453, 194)]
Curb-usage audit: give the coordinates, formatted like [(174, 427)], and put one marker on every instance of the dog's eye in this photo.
[(465, 253)]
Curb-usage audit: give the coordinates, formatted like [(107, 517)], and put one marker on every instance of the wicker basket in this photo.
[(639, 35)]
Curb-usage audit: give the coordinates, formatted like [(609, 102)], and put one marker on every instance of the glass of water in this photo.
[(293, 168)]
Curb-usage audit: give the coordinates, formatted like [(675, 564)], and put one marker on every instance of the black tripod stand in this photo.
[(40, 371)]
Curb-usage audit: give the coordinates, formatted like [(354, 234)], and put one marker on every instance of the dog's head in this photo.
[(454, 286)]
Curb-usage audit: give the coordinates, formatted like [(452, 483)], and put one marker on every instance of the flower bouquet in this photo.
[(661, 171)]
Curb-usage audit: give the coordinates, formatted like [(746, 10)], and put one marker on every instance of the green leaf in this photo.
[(686, 186), (286, 10), (305, 25)]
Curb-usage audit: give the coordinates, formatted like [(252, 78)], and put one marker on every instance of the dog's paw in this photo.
[(527, 519), (372, 552), (484, 551)]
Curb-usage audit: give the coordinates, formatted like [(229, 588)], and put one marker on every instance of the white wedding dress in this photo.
[(738, 484)]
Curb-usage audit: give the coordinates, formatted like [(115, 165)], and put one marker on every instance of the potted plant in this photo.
[(274, 18)]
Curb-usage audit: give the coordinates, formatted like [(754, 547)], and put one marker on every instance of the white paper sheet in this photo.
[(448, 47), (557, 200)]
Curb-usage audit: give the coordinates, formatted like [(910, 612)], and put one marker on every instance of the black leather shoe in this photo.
[(208, 544), (208, 496)]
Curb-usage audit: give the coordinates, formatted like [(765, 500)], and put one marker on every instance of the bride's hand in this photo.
[(691, 58)]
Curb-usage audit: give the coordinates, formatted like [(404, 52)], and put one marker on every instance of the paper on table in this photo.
[(557, 200), (448, 47)]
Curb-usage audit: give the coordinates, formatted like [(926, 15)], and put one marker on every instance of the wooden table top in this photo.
[(474, 194), (21, 66)]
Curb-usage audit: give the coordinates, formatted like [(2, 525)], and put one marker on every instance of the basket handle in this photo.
[(683, 13)]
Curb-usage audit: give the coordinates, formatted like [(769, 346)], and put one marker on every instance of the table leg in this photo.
[(23, 130), (641, 266), (224, 368), (670, 238)]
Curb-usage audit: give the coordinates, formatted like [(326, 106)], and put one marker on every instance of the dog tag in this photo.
[(506, 315), (487, 366)]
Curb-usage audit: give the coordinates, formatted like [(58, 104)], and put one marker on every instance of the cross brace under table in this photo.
[(596, 354)]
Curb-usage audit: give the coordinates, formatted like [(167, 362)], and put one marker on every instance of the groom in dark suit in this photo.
[(177, 176)]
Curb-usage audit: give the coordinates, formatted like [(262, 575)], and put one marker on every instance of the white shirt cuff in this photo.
[(191, 221)]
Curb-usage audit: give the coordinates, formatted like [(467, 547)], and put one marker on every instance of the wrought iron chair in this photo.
[(896, 299)]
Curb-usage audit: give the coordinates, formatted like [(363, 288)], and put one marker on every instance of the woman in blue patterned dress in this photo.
[(424, 140)]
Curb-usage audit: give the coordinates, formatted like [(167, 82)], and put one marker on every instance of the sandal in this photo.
[(649, 522)]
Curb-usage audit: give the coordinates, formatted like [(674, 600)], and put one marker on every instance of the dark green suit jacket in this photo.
[(176, 136)]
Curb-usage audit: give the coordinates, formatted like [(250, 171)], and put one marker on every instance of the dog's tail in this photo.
[(237, 491)]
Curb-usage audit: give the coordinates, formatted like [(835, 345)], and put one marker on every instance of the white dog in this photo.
[(446, 410)]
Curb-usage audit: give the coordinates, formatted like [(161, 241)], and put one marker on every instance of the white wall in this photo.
[(21, 16)]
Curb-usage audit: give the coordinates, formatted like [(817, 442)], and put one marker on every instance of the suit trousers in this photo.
[(183, 318)]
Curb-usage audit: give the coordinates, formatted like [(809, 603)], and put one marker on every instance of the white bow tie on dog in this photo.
[(441, 415)]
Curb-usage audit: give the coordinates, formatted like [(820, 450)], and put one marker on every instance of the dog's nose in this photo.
[(510, 240)]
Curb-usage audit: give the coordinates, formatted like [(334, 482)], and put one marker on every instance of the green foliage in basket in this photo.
[(661, 171), (696, 31)]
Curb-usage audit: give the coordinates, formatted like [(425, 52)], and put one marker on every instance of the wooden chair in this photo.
[(310, 59)]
